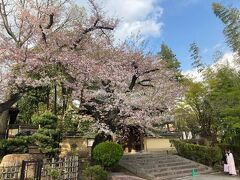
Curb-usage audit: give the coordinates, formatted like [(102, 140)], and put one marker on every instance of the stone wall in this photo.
[(81, 143), (157, 144)]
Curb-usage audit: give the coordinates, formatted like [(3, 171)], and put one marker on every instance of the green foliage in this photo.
[(16, 145), (108, 153), (55, 174), (99, 138), (47, 137), (73, 122), (30, 103), (186, 119), (197, 100), (45, 120), (196, 57), (202, 154), (70, 121), (95, 173), (169, 57), (225, 98), (230, 17), (47, 140)]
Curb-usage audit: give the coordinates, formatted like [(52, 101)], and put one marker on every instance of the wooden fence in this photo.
[(68, 168)]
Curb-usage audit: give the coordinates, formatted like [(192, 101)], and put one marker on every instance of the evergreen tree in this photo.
[(167, 55)]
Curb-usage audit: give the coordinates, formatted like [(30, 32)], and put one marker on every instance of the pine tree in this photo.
[(166, 54)]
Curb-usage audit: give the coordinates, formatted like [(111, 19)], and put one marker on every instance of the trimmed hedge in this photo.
[(202, 154), (108, 153)]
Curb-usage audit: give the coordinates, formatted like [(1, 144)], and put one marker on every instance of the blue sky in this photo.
[(187, 21), (174, 22)]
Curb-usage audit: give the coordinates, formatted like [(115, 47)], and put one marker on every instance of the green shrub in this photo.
[(45, 120), (47, 140), (101, 137), (17, 145), (95, 173), (54, 173), (108, 153), (202, 154)]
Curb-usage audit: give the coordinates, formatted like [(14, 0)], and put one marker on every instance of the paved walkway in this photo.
[(212, 177)]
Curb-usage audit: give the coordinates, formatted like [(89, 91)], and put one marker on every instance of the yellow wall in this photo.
[(156, 144), (12, 132), (81, 142)]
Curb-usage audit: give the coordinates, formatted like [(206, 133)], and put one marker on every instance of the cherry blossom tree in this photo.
[(36, 34), (57, 43)]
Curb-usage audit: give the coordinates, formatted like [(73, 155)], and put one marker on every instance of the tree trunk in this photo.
[(4, 119), (6, 105), (64, 97), (55, 99)]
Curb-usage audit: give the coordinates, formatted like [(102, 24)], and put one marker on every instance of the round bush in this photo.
[(108, 153)]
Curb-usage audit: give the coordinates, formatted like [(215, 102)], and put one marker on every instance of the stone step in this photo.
[(160, 165), (154, 160), (179, 176), (157, 160), (169, 167), (178, 171), (173, 168), (160, 162), (149, 157)]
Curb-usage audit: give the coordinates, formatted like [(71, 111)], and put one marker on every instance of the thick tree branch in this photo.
[(149, 71), (50, 21), (43, 34), (12, 100), (136, 76), (133, 82), (147, 85), (145, 80)]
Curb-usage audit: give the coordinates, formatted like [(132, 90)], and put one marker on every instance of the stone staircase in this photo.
[(161, 166)]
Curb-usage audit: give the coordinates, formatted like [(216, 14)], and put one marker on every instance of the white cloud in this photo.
[(136, 16), (194, 75), (229, 59), (147, 28)]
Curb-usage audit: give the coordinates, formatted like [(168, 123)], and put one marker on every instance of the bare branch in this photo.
[(5, 21), (90, 29)]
